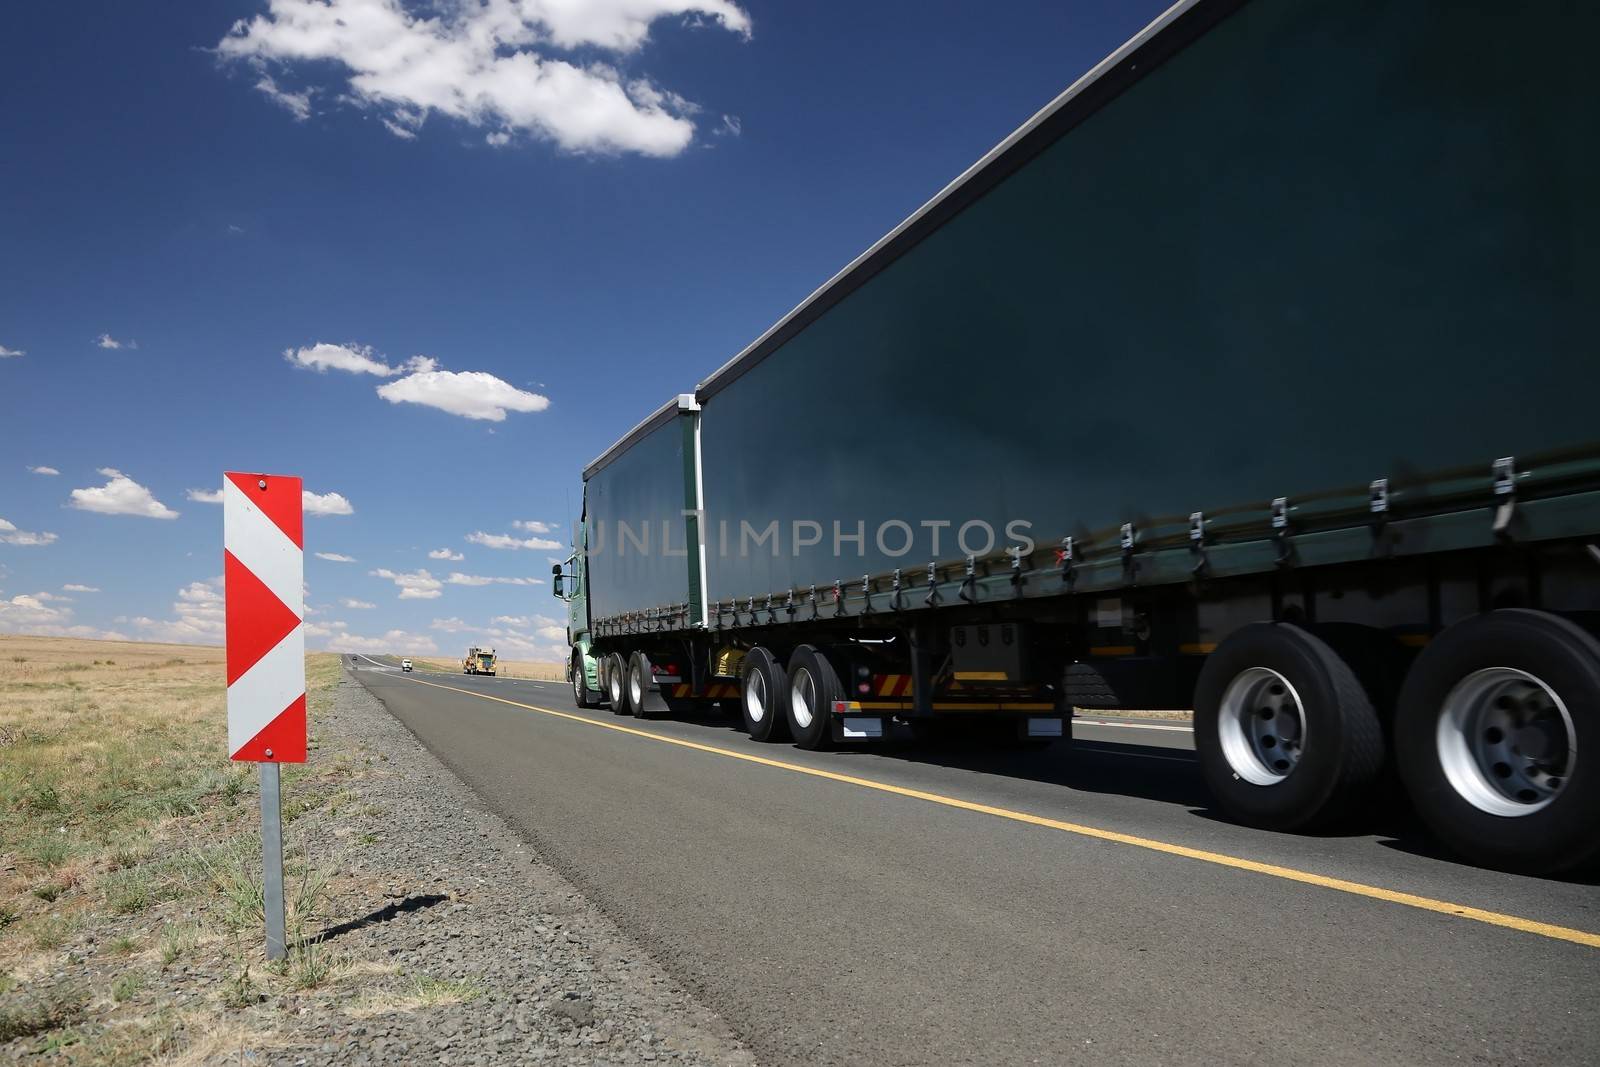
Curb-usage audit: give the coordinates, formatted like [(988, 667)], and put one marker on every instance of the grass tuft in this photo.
[(129, 892), (178, 940), (430, 991), (56, 1009), (126, 986)]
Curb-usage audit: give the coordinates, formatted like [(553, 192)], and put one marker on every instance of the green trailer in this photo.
[(1253, 375)]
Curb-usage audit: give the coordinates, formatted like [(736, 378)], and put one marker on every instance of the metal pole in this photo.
[(272, 859)]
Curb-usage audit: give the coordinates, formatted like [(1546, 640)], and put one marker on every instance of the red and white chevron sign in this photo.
[(264, 575)]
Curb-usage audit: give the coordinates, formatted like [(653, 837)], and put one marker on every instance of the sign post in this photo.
[(263, 561), (272, 859)]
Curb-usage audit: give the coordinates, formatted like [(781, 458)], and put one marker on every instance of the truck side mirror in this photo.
[(556, 576)]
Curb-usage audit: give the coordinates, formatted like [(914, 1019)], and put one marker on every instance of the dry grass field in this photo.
[(124, 826)]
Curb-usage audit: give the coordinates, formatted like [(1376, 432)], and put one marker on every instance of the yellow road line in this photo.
[(1392, 896)]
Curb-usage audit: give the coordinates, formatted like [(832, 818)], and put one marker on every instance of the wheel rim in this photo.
[(577, 683), (1506, 741), (636, 687), (615, 682), (803, 698), (1262, 726), (755, 696)]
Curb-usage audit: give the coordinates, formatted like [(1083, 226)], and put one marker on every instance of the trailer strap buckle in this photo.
[(933, 585), (1281, 531), (969, 584), (1505, 495), (1197, 544)]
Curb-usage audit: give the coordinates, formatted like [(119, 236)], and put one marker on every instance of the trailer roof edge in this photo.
[(683, 402), (995, 165)]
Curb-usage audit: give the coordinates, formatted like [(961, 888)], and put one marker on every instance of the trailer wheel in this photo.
[(1492, 718), (763, 696), (640, 678), (1286, 734), (813, 687), (616, 689)]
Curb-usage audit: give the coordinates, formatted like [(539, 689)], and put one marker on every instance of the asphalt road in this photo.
[(847, 921)]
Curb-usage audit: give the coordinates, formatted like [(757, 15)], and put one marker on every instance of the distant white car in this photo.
[(405, 665)]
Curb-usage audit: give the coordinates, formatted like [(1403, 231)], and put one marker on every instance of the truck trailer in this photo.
[(478, 661), (1254, 375)]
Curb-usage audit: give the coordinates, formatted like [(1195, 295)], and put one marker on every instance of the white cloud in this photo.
[(198, 616), (325, 503), (515, 637), (359, 605), (311, 503), (7, 353), (121, 496), (445, 553), (44, 470), (72, 587), (525, 622), (506, 541), (297, 104), (456, 578), (470, 394), (353, 358), (335, 557), (533, 526), (731, 127), (105, 340), (10, 535), (335, 636), (31, 614), (481, 63), (413, 585), (394, 641)]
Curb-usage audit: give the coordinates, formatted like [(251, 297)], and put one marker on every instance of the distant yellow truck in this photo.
[(478, 661)]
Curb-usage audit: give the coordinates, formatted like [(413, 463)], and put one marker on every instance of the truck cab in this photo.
[(569, 582)]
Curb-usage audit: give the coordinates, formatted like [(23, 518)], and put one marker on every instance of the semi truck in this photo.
[(478, 661), (1255, 375)]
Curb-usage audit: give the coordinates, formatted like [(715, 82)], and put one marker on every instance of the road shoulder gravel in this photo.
[(458, 901)]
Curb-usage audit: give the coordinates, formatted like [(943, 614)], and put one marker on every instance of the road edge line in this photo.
[(1221, 859)]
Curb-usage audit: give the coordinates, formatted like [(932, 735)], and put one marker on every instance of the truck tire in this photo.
[(640, 679), (616, 687), (1285, 732), (1491, 721), (813, 687), (582, 695), (763, 696)]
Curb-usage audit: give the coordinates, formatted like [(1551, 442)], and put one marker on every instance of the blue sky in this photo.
[(432, 261)]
